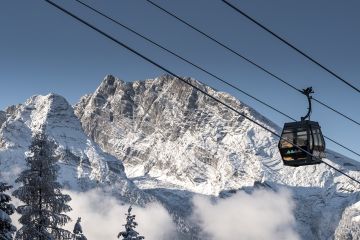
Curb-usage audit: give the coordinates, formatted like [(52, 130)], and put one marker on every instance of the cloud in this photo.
[(102, 217), (260, 215)]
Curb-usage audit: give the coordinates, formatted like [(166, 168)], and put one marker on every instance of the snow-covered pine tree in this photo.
[(130, 233), (42, 214), (7, 230), (78, 233)]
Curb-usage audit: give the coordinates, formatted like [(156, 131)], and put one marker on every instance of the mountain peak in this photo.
[(83, 164), (50, 101), (169, 114), (109, 80)]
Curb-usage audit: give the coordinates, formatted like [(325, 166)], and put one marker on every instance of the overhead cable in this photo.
[(291, 45), (203, 70), (189, 83), (248, 60)]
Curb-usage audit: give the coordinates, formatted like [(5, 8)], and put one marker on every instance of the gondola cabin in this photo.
[(307, 135)]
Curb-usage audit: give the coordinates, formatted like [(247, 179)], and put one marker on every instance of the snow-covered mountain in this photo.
[(172, 137), (160, 140), (83, 164), (164, 129)]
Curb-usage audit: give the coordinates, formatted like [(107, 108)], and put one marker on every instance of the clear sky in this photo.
[(43, 50)]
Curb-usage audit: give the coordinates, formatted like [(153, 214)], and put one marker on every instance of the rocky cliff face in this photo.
[(170, 136), (349, 227), (164, 129), (161, 140), (2, 117), (83, 164)]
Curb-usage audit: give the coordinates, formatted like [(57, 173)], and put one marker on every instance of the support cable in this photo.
[(291, 45), (189, 83), (204, 70), (247, 59)]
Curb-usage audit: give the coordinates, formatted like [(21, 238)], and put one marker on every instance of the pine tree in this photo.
[(42, 214), (130, 233), (6, 228), (78, 233)]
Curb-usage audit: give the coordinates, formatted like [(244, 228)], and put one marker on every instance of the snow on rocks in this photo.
[(168, 134), (83, 164)]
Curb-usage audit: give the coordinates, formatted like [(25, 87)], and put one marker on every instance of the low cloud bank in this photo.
[(102, 217), (260, 215)]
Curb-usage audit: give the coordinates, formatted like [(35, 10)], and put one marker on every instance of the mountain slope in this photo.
[(83, 164), (153, 126), (172, 137), (174, 143)]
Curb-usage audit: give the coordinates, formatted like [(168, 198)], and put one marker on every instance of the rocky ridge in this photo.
[(172, 137), (83, 164), (160, 140)]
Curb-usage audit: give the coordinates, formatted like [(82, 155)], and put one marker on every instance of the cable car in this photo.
[(307, 137)]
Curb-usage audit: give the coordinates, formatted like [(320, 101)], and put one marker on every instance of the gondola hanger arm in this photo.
[(307, 92)]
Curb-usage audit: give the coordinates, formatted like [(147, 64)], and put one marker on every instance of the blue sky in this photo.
[(42, 50)]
